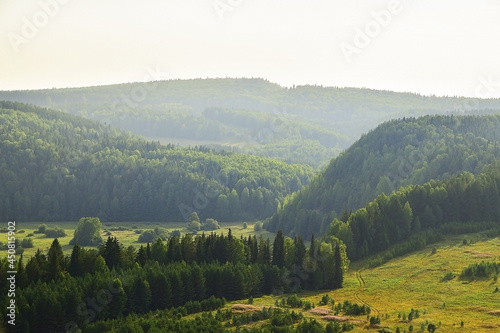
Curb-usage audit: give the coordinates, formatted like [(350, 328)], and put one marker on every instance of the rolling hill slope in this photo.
[(55, 166), (304, 124), (395, 154)]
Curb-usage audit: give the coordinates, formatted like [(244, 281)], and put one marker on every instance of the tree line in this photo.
[(464, 202), (113, 281)]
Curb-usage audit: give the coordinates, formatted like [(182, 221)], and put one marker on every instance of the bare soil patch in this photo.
[(478, 254), (244, 308), (487, 325), (335, 318), (320, 311), (495, 312)]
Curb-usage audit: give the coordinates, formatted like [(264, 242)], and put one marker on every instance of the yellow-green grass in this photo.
[(128, 236), (415, 281), (40, 241)]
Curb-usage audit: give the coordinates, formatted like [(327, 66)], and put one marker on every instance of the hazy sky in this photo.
[(445, 47)]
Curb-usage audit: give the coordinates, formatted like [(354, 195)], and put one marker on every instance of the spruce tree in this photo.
[(76, 262), (140, 296), (254, 249), (141, 257), (279, 250), (312, 248), (111, 252), (56, 260), (300, 250), (339, 271), (21, 277)]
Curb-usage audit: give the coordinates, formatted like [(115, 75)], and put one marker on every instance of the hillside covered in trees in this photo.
[(303, 124), (396, 153), (460, 204), (183, 275), (55, 166)]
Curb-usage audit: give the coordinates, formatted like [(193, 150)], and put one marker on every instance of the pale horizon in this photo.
[(427, 48)]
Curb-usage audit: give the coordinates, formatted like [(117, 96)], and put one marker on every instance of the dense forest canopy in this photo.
[(466, 203), (55, 166), (396, 153), (303, 124), (57, 293)]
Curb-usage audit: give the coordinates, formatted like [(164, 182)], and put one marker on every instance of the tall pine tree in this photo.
[(56, 260), (279, 249), (339, 270), (76, 261)]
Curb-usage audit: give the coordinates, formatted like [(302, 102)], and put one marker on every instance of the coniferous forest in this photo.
[(395, 154), (59, 167), (184, 275), (329, 199)]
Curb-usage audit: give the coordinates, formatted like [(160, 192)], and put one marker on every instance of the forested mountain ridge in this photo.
[(55, 166), (396, 153), (460, 204), (304, 124)]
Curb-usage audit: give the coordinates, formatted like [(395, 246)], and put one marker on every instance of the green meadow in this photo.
[(416, 282), (126, 232)]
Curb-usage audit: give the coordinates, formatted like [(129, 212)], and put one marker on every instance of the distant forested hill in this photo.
[(304, 124), (55, 166), (397, 153)]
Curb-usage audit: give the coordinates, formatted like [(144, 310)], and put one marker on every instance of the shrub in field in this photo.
[(210, 224), (355, 309), (257, 226), (481, 270), (194, 225), (147, 236), (448, 276), (374, 321), (27, 243), (294, 301), (41, 229), (324, 300), (55, 232), (88, 232)]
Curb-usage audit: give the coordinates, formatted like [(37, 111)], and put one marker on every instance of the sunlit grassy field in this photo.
[(391, 290), (126, 232), (415, 281)]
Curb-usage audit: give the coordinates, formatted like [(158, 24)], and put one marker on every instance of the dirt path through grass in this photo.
[(362, 284)]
